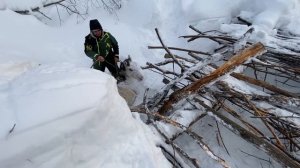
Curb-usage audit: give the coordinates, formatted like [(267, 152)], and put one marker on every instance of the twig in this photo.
[(176, 164), (12, 129), (180, 49), (230, 39), (201, 33), (222, 138), (256, 157), (194, 161), (168, 51)]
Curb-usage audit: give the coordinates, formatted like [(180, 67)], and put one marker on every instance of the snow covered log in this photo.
[(236, 60), (262, 84)]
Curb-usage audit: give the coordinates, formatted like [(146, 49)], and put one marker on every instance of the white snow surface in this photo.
[(67, 116), (57, 112), (2, 5)]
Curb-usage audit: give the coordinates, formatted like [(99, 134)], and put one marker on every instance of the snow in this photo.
[(241, 86), (27, 4), (293, 118), (2, 5), (279, 14), (59, 115), (209, 10), (61, 112), (57, 112), (269, 17)]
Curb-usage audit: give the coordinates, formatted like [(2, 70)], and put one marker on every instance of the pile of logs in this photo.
[(212, 88)]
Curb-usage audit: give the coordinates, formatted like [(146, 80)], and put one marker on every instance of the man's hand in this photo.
[(100, 58), (117, 59)]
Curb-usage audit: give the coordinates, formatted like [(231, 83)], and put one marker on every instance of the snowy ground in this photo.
[(67, 116), (57, 112)]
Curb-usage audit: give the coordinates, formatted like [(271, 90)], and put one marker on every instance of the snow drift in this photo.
[(63, 116)]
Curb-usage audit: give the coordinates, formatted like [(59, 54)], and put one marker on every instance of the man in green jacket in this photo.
[(103, 48)]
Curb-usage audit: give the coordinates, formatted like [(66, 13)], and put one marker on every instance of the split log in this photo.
[(236, 60)]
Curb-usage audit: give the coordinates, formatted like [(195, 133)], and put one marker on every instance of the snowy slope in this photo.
[(56, 111), (71, 117), (67, 115)]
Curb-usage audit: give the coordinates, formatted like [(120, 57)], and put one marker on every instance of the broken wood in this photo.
[(276, 106), (236, 60), (282, 157), (262, 84)]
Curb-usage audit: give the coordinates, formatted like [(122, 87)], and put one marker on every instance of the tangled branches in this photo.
[(252, 83)]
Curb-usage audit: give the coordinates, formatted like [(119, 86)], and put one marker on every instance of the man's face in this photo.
[(97, 32)]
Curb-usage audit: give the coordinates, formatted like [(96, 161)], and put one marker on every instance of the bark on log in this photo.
[(236, 60)]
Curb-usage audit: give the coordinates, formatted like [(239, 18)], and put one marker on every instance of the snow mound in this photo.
[(2, 5), (64, 116)]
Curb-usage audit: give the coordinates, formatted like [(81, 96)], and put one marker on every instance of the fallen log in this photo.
[(254, 50)]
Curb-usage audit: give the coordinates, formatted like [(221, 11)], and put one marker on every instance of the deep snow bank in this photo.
[(70, 117)]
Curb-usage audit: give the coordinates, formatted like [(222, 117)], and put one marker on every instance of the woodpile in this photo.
[(211, 82)]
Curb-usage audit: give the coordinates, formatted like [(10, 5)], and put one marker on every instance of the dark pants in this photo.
[(111, 66)]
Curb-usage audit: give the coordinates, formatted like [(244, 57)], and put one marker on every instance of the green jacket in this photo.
[(106, 46)]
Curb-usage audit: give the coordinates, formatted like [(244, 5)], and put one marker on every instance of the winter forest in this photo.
[(209, 84)]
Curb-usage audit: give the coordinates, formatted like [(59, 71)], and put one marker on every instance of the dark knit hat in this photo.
[(94, 24)]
